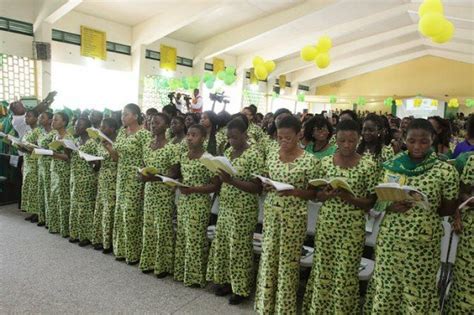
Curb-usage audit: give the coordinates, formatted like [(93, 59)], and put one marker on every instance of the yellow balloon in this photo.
[(431, 24), (270, 65), (308, 53), (257, 60), (322, 60), (324, 44), (430, 6), (261, 72), (446, 34)]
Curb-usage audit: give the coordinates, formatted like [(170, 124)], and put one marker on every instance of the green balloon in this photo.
[(221, 75)]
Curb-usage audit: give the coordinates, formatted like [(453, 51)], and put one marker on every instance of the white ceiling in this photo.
[(367, 34)]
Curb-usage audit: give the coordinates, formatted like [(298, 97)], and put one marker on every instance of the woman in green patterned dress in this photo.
[(269, 143), (318, 131), (254, 132), (408, 244), (194, 209), (30, 201), (372, 142), (58, 212), (461, 296), (158, 235), (128, 220), (44, 165), (83, 187), (231, 255), (333, 286), (178, 128), (105, 201), (209, 121), (285, 217)]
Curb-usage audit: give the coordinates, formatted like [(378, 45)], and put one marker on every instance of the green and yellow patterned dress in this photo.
[(59, 207), (158, 209), (83, 193), (44, 176), (329, 151), (128, 220), (194, 210), (461, 299), (255, 134), (333, 286), (221, 140), (105, 201), (30, 200), (231, 254), (284, 230), (408, 244)]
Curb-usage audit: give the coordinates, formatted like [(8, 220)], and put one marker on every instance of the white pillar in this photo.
[(43, 68)]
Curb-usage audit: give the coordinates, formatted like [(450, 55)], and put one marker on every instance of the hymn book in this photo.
[(216, 163), (335, 183), (95, 133), (396, 192), (279, 186)]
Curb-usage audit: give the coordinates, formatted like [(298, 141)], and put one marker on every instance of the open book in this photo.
[(395, 192), (170, 181), (22, 144), (89, 157), (55, 145), (42, 152), (464, 204), (279, 186), (95, 133), (147, 171), (69, 144), (215, 163), (336, 183)]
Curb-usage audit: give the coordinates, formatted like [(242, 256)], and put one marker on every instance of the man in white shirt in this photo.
[(197, 103)]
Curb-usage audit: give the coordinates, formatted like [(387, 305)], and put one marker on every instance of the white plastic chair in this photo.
[(371, 237), (313, 213), (211, 229)]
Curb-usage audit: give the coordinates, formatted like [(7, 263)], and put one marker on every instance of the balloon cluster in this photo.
[(388, 101), (319, 53), (332, 99), (361, 101), (417, 102), (434, 103), (453, 103), (470, 102), (398, 102), (301, 97), (262, 68), (209, 79), (432, 22), (227, 75)]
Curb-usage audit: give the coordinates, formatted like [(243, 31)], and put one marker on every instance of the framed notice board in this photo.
[(93, 43)]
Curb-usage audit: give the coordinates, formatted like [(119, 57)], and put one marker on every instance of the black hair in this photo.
[(444, 137), (64, 117), (335, 116), (252, 109), (181, 120), (111, 123), (273, 128), (164, 117), (193, 116), (387, 131), (86, 120), (348, 125), (212, 143), (242, 117), (380, 139), (423, 124), (318, 121), (201, 128), (238, 123), (170, 109), (49, 114), (151, 111), (290, 122), (135, 110), (223, 119), (34, 112), (350, 113), (470, 127)]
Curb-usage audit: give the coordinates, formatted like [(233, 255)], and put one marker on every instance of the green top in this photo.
[(330, 150)]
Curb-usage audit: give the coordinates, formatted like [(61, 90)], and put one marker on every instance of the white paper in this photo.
[(42, 151), (70, 145), (279, 186), (89, 157), (101, 135), (462, 205), (14, 160), (171, 181)]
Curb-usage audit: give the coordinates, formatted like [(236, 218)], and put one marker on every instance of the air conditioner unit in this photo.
[(42, 51)]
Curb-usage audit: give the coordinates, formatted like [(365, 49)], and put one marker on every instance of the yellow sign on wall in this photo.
[(282, 82), (93, 43), (218, 65), (167, 58)]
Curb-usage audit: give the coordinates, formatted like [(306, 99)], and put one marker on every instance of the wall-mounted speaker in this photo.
[(42, 51)]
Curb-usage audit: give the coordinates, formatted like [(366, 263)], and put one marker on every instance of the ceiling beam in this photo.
[(454, 46), (241, 35), (361, 58), (52, 11), (365, 68), (462, 57), (297, 63), (288, 47), (176, 17), (451, 12)]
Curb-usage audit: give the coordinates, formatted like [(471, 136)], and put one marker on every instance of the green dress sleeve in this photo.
[(450, 183), (467, 176)]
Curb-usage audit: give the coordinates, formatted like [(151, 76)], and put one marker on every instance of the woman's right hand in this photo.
[(400, 206), (327, 193), (267, 187)]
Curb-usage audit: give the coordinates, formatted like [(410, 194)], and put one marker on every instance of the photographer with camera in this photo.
[(197, 103)]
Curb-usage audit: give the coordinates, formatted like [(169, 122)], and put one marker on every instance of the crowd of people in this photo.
[(113, 206)]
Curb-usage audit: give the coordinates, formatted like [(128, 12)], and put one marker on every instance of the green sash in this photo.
[(403, 164)]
